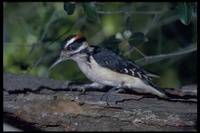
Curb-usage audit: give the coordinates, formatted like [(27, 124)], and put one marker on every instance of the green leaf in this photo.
[(137, 39), (128, 23), (111, 43), (69, 7), (90, 11), (185, 12), (112, 40)]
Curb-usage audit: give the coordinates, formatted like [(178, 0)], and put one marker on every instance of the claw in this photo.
[(82, 86), (114, 90), (77, 86), (82, 90)]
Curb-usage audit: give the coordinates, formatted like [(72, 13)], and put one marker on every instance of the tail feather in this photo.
[(165, 95), (153, 75)]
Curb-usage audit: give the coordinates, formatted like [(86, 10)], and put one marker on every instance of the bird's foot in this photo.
[(114, 90), (82, 86)]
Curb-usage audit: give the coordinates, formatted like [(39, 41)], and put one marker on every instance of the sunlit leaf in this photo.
[(69, 7), (185, 12), (90, 11), (137, 39)]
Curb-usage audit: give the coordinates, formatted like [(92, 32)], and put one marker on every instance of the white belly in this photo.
[(106, 76), (103, 75)]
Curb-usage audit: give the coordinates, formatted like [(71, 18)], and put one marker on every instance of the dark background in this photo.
[(33, 33)]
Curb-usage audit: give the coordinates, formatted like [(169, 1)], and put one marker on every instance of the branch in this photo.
[(189, 49), (132, 12), (47, 105)]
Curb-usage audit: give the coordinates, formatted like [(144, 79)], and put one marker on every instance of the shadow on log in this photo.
[(46, 104)]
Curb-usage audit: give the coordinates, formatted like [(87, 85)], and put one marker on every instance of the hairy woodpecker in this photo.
[(106, 68)]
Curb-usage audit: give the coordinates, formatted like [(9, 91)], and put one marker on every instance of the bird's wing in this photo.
[(112, 61)]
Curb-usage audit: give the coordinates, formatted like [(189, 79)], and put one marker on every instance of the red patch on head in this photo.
[(78, 36)]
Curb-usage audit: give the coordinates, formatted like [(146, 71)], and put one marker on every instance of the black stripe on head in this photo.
[(72, 42), (65, 41)]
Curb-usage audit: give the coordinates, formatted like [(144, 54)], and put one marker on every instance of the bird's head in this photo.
[(72, 48)]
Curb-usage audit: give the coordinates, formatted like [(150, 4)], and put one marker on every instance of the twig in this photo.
[(47, 25), (17, 44), (132, 49), (168, 55), (133, 12)]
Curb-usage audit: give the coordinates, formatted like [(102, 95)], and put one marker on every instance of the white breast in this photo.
[(102, 75), (105, 76)]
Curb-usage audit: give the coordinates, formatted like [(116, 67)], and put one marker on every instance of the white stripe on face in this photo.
[(70, 41)]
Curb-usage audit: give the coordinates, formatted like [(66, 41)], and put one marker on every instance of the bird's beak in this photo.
[(60, 59)]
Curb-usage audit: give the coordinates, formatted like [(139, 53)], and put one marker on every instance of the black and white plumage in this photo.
[(108, 59), (104, 67)]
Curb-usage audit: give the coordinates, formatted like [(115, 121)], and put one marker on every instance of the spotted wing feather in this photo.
[(111, 60)]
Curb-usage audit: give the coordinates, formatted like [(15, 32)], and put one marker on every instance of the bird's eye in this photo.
[(67, 48)]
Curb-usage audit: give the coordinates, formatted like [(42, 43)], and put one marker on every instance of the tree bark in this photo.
[(39, 103)]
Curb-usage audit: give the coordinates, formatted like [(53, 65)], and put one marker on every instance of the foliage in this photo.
[(185, 12), (155, 35)]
